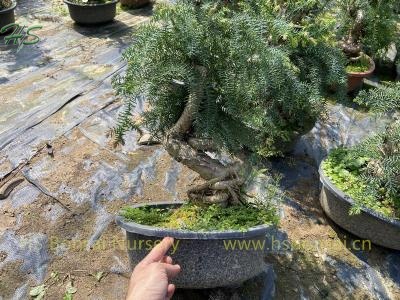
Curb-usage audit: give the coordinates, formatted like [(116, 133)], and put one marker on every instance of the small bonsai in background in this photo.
[(366, 27), (225, 77), (370, 172), (4, 4)]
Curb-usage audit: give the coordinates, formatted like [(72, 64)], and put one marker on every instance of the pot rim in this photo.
[(327, 183), (366, 73), (90, 5), (9, 9), (153, 231)]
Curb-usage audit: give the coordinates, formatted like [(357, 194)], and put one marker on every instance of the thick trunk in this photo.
[(223, 183), (352, 45), (197, 161), (184, 124)]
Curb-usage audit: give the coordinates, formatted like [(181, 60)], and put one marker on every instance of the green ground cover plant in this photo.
[(370, 172), (192, 217), (358, 66)]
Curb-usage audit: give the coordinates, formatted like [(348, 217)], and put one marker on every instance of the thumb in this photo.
[(171, 270)]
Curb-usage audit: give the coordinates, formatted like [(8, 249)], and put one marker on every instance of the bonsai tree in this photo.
[(4, 4), (219, 77), (370, 172), (366, 26)]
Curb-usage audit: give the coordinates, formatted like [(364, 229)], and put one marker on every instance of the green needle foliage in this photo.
[(370, 172), (268, 72), (381, 99), (368, 25)]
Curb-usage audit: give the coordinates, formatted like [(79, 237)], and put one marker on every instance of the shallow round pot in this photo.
[(92, 13), (355, 79), (204, 257), (135, 3), (7, 16), (368, 225)]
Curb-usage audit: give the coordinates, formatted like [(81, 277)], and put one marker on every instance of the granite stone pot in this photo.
[(204, 257), (7, 15), (135, 3), (90, 14), (355, 79), (368, 225)]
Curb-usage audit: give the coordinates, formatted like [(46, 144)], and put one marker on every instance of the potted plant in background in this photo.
[(135, 3), (365, 180), (7, 16), (91, 12), (366, 28), (221, 80)]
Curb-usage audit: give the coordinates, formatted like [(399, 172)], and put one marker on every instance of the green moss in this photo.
[(202, 218), (345, 170), (359, 66)]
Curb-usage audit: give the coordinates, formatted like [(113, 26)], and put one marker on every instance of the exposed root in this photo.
[(350, 48), (220, 198), (221, 190)]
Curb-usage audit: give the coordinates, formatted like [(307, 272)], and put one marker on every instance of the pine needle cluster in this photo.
[(382, 173), (267, 72), (382, 99)]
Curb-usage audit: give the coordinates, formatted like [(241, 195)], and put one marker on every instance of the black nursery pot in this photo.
[(7, 16), (91, 14), (204, 257)]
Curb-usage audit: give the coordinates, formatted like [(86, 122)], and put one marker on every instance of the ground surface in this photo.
[(57, 107)]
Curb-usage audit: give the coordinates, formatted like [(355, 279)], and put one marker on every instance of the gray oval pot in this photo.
[(205, 261), (7, 15), (91, 14), (368, 225)]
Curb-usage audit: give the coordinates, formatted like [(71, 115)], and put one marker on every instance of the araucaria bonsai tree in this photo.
[(370, 171), (225, 76), (367, 26)]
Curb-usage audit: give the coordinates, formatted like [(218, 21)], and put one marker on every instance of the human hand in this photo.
[(151, 278)]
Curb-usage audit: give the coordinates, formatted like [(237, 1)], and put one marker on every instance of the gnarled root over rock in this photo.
[(223, 184), (218, 191)]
